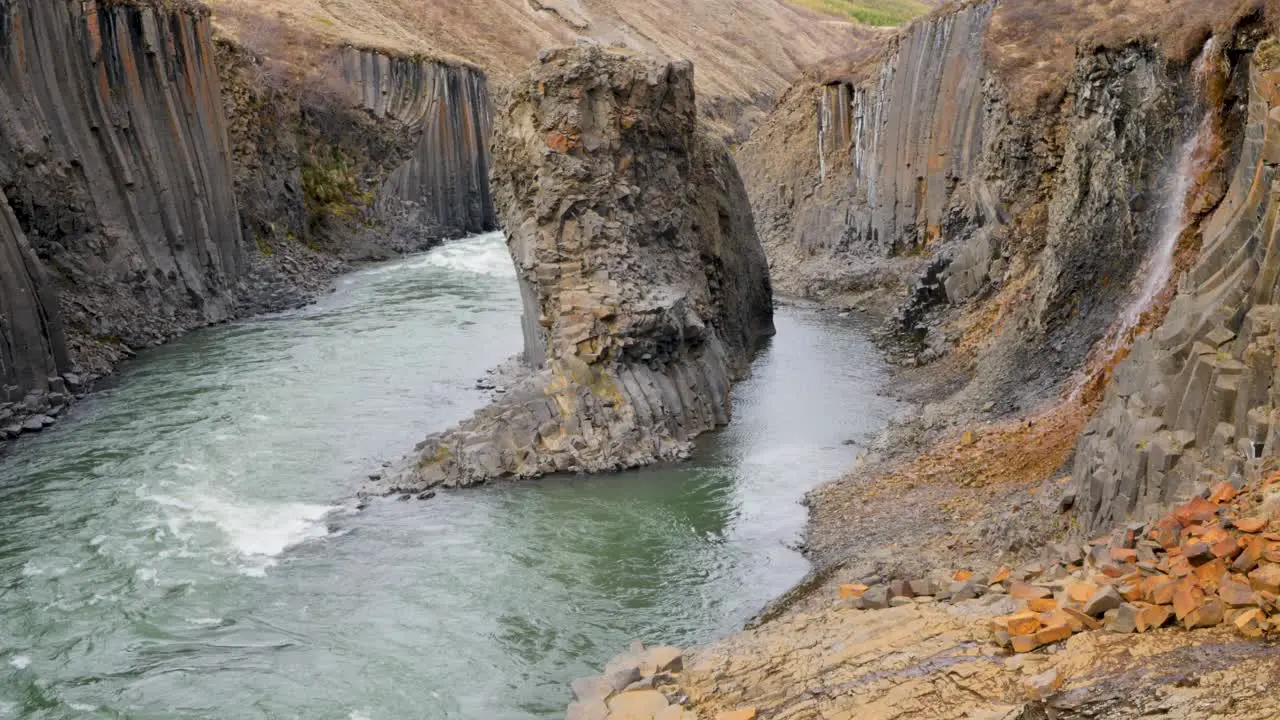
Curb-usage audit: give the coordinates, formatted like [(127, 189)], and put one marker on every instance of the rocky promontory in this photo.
[(644, 283)]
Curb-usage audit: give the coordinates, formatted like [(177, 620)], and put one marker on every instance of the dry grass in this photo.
[(742, 48)]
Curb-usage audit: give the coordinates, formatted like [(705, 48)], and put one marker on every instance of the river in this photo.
[(184, 543)]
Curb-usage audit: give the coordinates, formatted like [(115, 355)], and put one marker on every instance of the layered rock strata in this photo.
[(644, 284), (1195, 401)]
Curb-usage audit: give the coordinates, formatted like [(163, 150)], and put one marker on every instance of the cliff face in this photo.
[(644, 284), (361, 139), (444, 184), (925, 175), (115, 164), (136, 211), (1195, 401), (1023, 219)]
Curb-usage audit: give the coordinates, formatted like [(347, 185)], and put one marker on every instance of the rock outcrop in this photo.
[(115, 164), (443, 186), (1195, 401), (645, 287), (362, 155)]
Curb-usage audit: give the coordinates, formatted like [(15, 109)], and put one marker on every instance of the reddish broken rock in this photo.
[(1222, 493), (1025, 591), (1207, 615), (853, 591), (1195, 512), (1252, 525), (1266, 579), (1236, 593)]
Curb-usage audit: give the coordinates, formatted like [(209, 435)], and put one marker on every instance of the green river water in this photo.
[(185, 542)]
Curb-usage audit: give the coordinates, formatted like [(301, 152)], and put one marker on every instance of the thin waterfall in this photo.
[(1157, 270)]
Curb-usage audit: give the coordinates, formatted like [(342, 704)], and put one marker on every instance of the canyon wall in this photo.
[(115, 164), (362, 154), (143, 200), (645, 287), (1194, 403), (916, 184)]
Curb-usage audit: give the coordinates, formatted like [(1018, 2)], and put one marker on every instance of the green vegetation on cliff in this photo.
[(882, 13)]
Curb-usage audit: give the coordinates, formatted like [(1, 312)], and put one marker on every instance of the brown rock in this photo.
[(1266, 579), (901, 588), (1195, 512), (1207, 615), (1024, 643), (1252, 525), (1158, 589), (1251, 623), (1167, 532), (742, 714), (1042, 605), (662, 659), (1222, 493), (1187, 597), (1001, 575), (1210, 574), (1152, 616), (1023, 591), (851, 592), (1198, 552), (1022, 623), (1227, 548), (1236, 593), (1085, 621), (1053, 634), (641, 703), (1249, 558), (962, 575), (1124, 555), (1081, 592), (1131, 591)]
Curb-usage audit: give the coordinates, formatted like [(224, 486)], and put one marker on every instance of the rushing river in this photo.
[(184, 544)]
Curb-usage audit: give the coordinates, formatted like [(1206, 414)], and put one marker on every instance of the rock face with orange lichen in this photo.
[(644, 284)]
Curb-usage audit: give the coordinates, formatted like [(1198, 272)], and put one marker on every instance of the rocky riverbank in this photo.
[(644, 284), (158, 178)]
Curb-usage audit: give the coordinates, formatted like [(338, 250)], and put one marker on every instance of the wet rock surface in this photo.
[(644, 284)]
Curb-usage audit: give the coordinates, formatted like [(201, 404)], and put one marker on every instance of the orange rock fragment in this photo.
[(1210, 574), (1266, 579), (1226, 548), (1024, 643), (1084, 620), (1026, 591), (1207, 615), (743, 714), (1187, 597), (1195, 512), (1041, 605), (1158, 589), (1000, 575), (1053, 634), (1222, 493), (852, 592), (1124, 555), (1252, 623), (1236, 593), (1081, 592), (962, 575), (1151, 617), (1022, 623), (1252, 525)]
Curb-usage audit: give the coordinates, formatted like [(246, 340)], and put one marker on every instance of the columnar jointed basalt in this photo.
[(445, 181), (1195, 401), (115, 164), (645, 286)]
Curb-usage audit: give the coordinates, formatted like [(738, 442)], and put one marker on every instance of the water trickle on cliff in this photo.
[(1156, 273)]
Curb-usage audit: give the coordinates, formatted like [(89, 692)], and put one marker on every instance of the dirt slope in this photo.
[(746, 51)]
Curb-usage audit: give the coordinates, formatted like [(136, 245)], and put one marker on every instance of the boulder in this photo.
[(644, 284)]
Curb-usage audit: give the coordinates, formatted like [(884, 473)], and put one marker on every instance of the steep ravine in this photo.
[(147, 195)]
